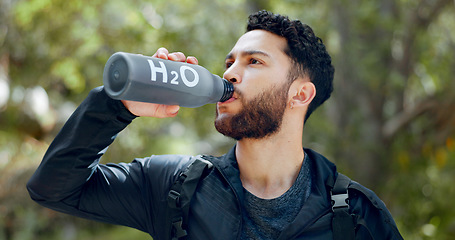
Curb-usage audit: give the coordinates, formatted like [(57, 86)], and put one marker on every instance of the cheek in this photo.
[(268, 76), (257, 81), (253, 86)]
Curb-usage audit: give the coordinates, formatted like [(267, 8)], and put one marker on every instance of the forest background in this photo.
[(389, 125)]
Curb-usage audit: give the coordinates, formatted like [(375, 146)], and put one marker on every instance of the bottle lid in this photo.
[(228, 90)]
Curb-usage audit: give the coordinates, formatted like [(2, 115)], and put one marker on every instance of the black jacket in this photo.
[(71, 180)]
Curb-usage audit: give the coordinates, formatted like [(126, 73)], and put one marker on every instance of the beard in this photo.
[(259, 117)]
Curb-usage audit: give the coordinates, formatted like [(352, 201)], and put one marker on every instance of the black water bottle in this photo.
[(141, 78)]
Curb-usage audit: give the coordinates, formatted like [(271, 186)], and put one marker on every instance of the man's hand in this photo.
[(143, 109)]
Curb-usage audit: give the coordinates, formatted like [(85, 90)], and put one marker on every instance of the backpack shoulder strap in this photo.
[(343, 223), (179, 197), (378, 204), (343, 226)]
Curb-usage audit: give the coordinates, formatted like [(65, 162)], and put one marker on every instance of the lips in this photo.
[(234, 97), (229, 100)]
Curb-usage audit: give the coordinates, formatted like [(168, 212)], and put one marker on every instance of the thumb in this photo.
[(172, 110)]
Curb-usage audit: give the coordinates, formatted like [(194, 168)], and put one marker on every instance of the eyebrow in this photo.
[(248, 53)]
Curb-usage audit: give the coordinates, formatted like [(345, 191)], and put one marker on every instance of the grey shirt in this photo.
[(266, 218)]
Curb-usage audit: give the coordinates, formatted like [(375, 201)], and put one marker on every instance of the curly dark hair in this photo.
[(307, 52)]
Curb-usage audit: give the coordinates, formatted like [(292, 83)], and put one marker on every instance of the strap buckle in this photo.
[(173, 199), (340, 200), (178, 229)]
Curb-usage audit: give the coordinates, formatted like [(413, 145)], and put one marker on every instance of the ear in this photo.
[(301, 93)]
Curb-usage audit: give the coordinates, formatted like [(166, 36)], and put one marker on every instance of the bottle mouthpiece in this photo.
[(228, 91)]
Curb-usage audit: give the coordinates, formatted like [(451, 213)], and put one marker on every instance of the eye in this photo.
[(228, 64), (254, 61)]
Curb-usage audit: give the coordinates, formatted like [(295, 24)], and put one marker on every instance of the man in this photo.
[(267, 187)]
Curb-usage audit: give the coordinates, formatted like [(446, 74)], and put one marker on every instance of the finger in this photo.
[(192, 60), (143, 109), (164, 111), (177, 56), (161, 53), (172, 110)]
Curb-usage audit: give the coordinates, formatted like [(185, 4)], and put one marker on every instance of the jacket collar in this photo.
[(318, 203), (228, 167)]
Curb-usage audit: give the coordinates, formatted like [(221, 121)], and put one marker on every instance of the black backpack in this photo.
[(179, 198)]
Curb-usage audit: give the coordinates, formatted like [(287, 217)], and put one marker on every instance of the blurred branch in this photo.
[(428, 10), (442, 117), (421, 17), (425, 13), (400, 121)]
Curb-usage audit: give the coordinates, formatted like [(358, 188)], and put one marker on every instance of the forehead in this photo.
[(260, 40)]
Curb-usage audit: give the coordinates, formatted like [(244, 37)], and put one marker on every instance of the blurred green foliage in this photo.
[(389, 125)]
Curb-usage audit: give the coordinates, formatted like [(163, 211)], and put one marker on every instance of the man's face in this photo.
[(258, 67)]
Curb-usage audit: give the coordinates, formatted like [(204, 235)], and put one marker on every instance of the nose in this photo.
[(232, 74)]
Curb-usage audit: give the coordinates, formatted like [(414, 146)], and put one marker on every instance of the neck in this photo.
[(269, 166)]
